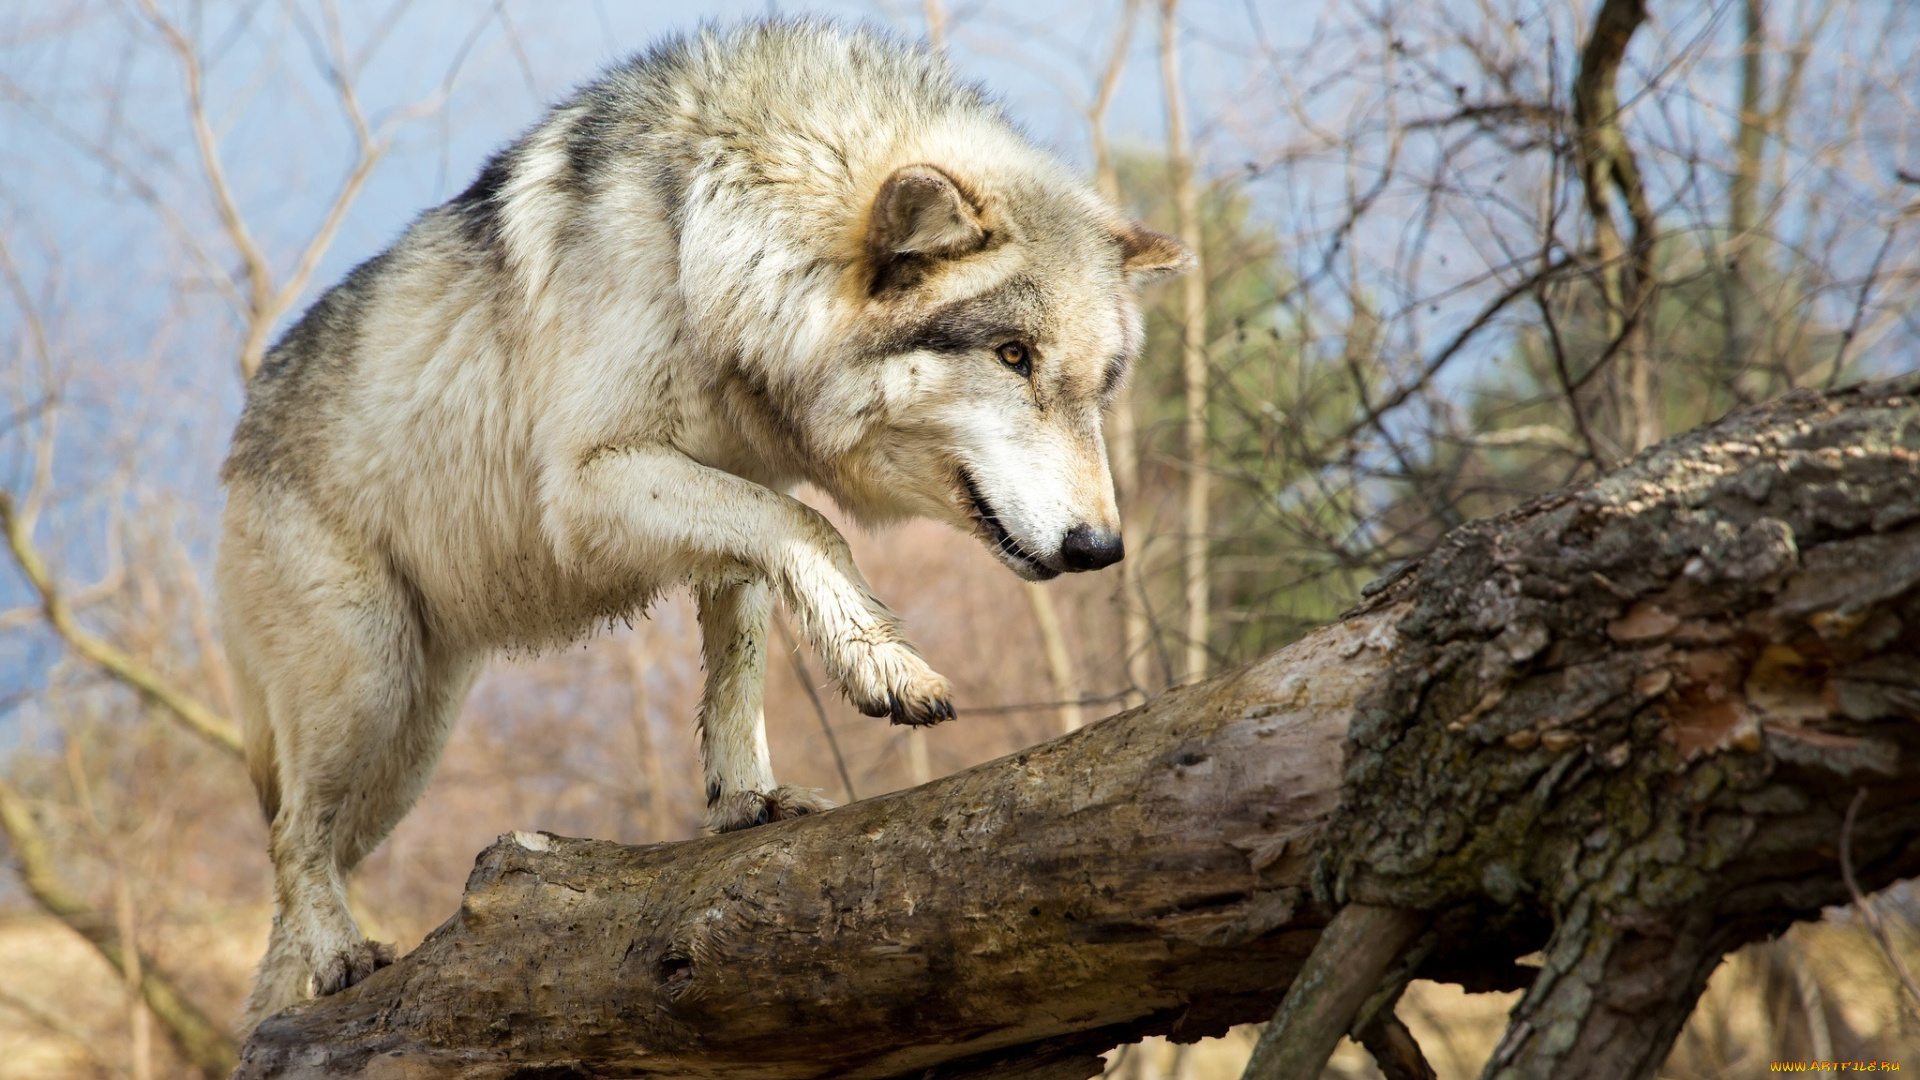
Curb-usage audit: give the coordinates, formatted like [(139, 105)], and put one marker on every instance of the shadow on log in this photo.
[(1621, 725)]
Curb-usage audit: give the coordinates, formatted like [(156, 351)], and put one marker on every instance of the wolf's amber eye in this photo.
[(1017, 358)]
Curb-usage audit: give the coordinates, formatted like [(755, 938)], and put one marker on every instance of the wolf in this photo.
[(779, 253)]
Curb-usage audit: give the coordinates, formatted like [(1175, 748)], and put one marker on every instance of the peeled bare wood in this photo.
[(1622, 725)]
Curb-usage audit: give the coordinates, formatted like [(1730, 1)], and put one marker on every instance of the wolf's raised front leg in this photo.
[(733, 733), (636, 512)]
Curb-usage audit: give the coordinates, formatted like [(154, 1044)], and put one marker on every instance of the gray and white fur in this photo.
[(751, 258)]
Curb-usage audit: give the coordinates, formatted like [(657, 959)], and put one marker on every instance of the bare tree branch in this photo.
[(1352, 955), (194, 715), (200, 1041), (1053, 642), (1864, 905), (1607, 166), (253, 261)]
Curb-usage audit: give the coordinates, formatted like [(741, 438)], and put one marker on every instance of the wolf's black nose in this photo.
[(1088, 548)]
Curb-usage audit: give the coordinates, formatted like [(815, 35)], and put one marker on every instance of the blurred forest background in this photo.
[(1456, 253)]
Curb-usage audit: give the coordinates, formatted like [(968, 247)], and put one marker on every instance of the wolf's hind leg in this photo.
[(402, 764), (369, 753), (332, 717), (733, 733), (347, 704)]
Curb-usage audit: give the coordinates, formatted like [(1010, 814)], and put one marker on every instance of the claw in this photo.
[(352, 966), (748, 809), (936, 713)]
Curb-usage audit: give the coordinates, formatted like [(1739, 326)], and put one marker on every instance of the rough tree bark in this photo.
[(1620, 725)]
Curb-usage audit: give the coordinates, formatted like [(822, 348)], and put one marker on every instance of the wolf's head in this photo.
[(998, 321)]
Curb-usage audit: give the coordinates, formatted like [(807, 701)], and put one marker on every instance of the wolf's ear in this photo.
[(1146, 254), (921, 211)]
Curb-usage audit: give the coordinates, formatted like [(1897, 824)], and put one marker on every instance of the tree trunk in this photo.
[(1123, 439), (1621, 725), (1196, 516), (1739, 294), (1053, 642)]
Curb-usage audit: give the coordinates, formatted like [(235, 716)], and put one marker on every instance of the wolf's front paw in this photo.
[(339, 970), (899, 685), (745, 809)]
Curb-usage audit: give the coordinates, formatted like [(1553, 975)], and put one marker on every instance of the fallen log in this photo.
[(1620, 726)]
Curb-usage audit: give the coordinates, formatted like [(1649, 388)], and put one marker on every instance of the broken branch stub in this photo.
[(1620, 725), (1350, 959)]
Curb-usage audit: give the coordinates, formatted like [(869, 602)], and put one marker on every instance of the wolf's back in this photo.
[(775, 127)]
